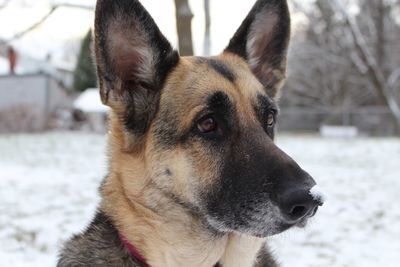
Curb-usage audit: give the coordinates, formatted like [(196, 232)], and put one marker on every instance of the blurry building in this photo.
[(29, 102), (33, 93)]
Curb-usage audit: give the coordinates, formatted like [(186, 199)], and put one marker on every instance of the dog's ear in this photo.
[(262, 40), (133, 61)]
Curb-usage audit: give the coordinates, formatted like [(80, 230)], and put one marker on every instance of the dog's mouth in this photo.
[(270, 223), (285, 224), (265, 218)]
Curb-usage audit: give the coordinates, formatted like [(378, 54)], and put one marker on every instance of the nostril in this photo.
[(298, 211), (297, 204)]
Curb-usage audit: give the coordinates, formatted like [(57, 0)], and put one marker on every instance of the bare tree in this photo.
[(184, 17), (207, 38), (36, 24), (30, 28), (319, 70), (375, 65), (343, 60), (184, 26)]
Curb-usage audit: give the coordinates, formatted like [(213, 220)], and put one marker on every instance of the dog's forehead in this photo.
[(196, 78)]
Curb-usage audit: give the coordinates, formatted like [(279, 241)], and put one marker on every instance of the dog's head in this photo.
[(204, 127)]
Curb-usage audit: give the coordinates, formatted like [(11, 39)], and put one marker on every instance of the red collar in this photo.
[(133, 251)]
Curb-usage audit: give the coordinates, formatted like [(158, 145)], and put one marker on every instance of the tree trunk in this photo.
[(184, 26), (380, 30), (207, 38)]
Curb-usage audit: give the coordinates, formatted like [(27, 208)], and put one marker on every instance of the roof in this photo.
[(89, 101)]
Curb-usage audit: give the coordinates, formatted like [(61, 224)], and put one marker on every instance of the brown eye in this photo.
[(207, 125), (270, 119)]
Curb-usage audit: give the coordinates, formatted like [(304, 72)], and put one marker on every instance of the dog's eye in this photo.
[(270, 120), (207, 125)]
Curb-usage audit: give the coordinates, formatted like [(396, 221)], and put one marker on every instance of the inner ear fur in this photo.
[(262, 40), (133, 60)]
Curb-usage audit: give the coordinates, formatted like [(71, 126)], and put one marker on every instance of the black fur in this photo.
[(220, 107), (254, 172), (222, 69), (265, 258), (98, 246), (219, 66), (219, 102)]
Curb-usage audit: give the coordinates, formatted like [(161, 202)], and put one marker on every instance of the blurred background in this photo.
[(340, 119)]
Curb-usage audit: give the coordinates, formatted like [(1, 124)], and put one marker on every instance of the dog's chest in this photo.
[(241, 251)]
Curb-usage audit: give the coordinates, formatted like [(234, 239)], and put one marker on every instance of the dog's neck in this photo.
[(172, 237), (164, 231)]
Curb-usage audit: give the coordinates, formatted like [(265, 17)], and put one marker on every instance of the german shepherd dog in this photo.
[(195, 178)]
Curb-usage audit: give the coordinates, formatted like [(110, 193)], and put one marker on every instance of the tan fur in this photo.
[(241, 250)]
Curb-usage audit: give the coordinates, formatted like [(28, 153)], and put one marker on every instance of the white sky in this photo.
[(67, 24)]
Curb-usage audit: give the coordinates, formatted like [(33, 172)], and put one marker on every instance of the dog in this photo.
[(195, 178)]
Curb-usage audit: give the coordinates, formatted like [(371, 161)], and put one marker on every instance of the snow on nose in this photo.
[(317, 194)]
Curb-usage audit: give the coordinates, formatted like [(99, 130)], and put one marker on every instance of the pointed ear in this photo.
[(262, 40), (133, 61)]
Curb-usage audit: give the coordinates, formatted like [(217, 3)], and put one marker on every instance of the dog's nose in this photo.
[(297, 204)]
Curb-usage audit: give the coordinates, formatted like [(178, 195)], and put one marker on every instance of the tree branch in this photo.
[(90, 8), (375, 73), (32, 27), (41, 21)]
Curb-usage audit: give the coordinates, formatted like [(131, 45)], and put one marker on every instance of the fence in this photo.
[(376, 121)]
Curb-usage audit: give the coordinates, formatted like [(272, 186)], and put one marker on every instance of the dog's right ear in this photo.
[(133, 61), (262, 40)]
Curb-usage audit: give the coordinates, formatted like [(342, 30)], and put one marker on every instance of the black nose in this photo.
[(295, 205)]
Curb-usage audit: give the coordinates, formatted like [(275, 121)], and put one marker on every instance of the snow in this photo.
[(358, 226), (49, 190), (89, 101), (338, 131), (317, 194)]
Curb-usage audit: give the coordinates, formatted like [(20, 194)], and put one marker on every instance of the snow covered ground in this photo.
[(48, 190)]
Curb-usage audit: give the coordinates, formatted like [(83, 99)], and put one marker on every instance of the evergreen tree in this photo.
[(85, 73)]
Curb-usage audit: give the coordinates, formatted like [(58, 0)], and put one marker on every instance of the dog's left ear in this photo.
[(262, 40)]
